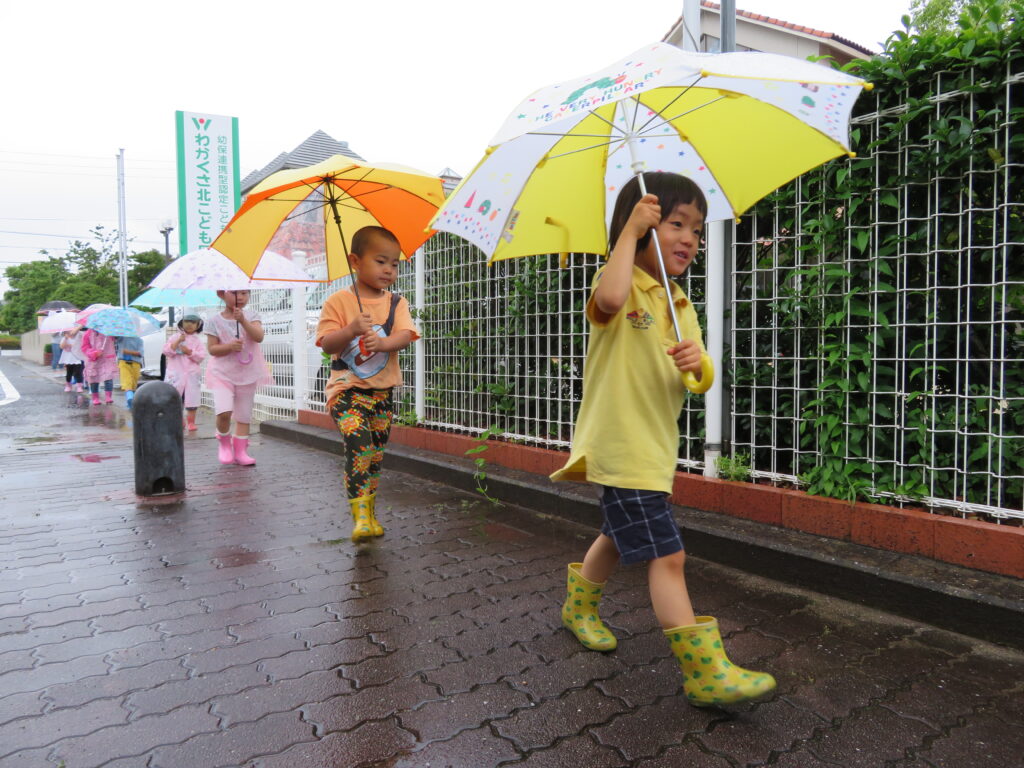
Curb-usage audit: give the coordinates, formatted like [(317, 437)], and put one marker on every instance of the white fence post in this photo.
[(714, 312), (300, 365), (420, 370)]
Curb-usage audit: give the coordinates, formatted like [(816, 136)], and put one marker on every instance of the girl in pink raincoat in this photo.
[(235, 369), (185, 353), (100, 364)]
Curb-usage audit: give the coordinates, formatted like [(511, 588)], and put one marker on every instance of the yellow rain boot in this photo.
[(375, 528), (579, 612), (361, 528), (709, 678)]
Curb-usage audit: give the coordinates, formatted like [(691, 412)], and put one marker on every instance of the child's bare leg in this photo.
[(600, 560), (241, 430), (669, 595), (224, 422)]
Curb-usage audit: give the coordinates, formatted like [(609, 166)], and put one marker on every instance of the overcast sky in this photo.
[(424, 84)]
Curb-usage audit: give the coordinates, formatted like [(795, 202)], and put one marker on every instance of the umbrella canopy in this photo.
[(59, 321), (122, 321), (85, 313), (210, 270), (738, 124), (176, 297), (331, 201), (54, 305)]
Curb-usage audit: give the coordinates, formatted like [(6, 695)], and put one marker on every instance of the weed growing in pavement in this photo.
[(480, 463)]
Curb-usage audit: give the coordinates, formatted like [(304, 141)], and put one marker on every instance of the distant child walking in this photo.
[(72, 358), (185, 354), (363, 327), (129, 364), (236, 367), (627, 438), (100, 364)]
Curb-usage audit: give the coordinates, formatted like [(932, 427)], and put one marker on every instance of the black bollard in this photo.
[(159, 447)]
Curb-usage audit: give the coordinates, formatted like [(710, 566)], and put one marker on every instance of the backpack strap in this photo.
[(337, 364), (395, 298)]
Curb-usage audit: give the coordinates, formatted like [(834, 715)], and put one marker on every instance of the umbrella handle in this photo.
[(707, 367), (355, 290), (707, 376)]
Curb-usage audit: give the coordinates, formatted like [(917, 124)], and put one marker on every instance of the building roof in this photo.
[(317, 147), (829, 36), (449, 180)]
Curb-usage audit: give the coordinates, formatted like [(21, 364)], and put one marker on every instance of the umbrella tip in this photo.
[(851, 154), (869, 86)]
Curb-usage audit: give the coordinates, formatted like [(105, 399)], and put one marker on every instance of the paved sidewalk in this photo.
[(237, 626)]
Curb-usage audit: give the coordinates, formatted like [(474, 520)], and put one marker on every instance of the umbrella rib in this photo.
[(659, 112), (667, 120), (574, 135), (608, 143)]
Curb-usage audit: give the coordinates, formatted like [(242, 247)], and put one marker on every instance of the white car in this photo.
[(152, 348)]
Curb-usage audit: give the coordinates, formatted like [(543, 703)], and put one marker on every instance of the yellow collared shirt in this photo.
[(626, 431)]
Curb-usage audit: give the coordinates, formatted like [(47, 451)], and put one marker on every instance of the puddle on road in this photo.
[(92, 458), (231, 557), (50, 439)]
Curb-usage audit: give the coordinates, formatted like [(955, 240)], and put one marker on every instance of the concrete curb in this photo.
[(979, 604)]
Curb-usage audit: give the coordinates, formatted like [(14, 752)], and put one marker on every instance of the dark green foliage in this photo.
[(919, 394)]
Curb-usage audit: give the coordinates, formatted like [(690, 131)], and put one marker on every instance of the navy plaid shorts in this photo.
[(640, 523)]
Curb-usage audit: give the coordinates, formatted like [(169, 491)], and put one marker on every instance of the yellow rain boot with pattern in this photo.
[(375, 528), (361, 528), (579, 612), (709, 678)]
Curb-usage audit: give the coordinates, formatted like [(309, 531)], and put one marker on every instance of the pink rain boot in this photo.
[(242, 453), (67, 387), (78, 388), (110, 397), (225, 453), (95, 398)]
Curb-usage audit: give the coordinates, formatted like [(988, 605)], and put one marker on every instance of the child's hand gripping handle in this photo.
[(707, 376)]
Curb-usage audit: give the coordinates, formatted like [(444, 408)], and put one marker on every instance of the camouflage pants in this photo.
[(364, 418)]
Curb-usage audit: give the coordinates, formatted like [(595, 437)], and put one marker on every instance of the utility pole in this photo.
[(122, 236), (166, 232), (718, 399)]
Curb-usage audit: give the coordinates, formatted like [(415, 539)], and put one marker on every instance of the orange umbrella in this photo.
[(333, 199)]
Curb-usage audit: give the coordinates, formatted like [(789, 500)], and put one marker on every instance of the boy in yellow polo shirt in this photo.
[(627, 439)]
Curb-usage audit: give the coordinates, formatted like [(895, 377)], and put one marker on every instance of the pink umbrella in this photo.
[(84, 314)]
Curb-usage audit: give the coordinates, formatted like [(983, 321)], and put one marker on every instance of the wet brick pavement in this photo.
[(238, 626)]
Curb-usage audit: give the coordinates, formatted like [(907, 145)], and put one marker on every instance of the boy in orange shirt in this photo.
[(363, 327)]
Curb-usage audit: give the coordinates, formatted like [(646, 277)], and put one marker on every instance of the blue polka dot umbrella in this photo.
[(122, 321)]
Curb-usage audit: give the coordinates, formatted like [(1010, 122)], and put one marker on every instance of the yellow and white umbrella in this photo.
[(738, 124), (331, 201)]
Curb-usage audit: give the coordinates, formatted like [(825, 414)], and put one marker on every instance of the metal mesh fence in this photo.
[(933, 410), (891, 346)]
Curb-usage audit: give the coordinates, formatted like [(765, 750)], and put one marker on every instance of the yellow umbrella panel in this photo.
[(337, 197)]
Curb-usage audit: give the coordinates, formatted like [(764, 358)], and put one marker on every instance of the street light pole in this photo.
[(166, 232)]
